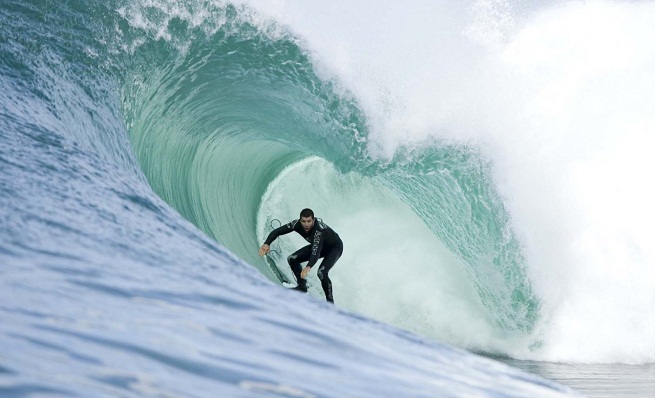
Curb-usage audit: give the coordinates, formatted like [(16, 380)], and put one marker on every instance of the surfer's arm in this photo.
[(283, 230)]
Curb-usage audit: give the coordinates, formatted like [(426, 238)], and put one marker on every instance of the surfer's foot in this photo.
[(301, 289)]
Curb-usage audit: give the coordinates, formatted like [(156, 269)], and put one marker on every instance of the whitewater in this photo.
[(486, 164)]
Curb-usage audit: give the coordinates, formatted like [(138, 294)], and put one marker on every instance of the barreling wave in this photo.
[(235, 120), (219, 103)]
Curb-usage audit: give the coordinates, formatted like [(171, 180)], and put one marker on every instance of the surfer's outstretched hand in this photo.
[(305, 272), (264, 249)]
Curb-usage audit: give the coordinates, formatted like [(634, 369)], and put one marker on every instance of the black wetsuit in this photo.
[(324, 243)]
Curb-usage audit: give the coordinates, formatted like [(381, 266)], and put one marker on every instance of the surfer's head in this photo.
[(307, 219)]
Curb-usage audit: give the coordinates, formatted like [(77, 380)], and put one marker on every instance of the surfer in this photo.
[(323, 243)]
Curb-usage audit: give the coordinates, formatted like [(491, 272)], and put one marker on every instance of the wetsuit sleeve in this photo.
[(317, 246), (283, 230)]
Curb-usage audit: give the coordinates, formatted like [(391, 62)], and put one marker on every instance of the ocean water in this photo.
[(487, 164), (601, 380)]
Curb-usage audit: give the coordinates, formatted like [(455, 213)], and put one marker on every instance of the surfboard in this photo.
[(289, 284), (274, 255), (279, 274)]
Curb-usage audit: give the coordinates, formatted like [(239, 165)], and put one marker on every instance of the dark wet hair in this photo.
[(306, 213)]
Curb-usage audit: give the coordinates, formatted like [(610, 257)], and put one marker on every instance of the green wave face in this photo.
[(233, 127), (212, 126)]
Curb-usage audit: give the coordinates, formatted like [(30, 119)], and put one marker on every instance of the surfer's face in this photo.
[(307, 223)]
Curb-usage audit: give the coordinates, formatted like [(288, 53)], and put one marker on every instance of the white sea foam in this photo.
[(392, 268), (559, 97)]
